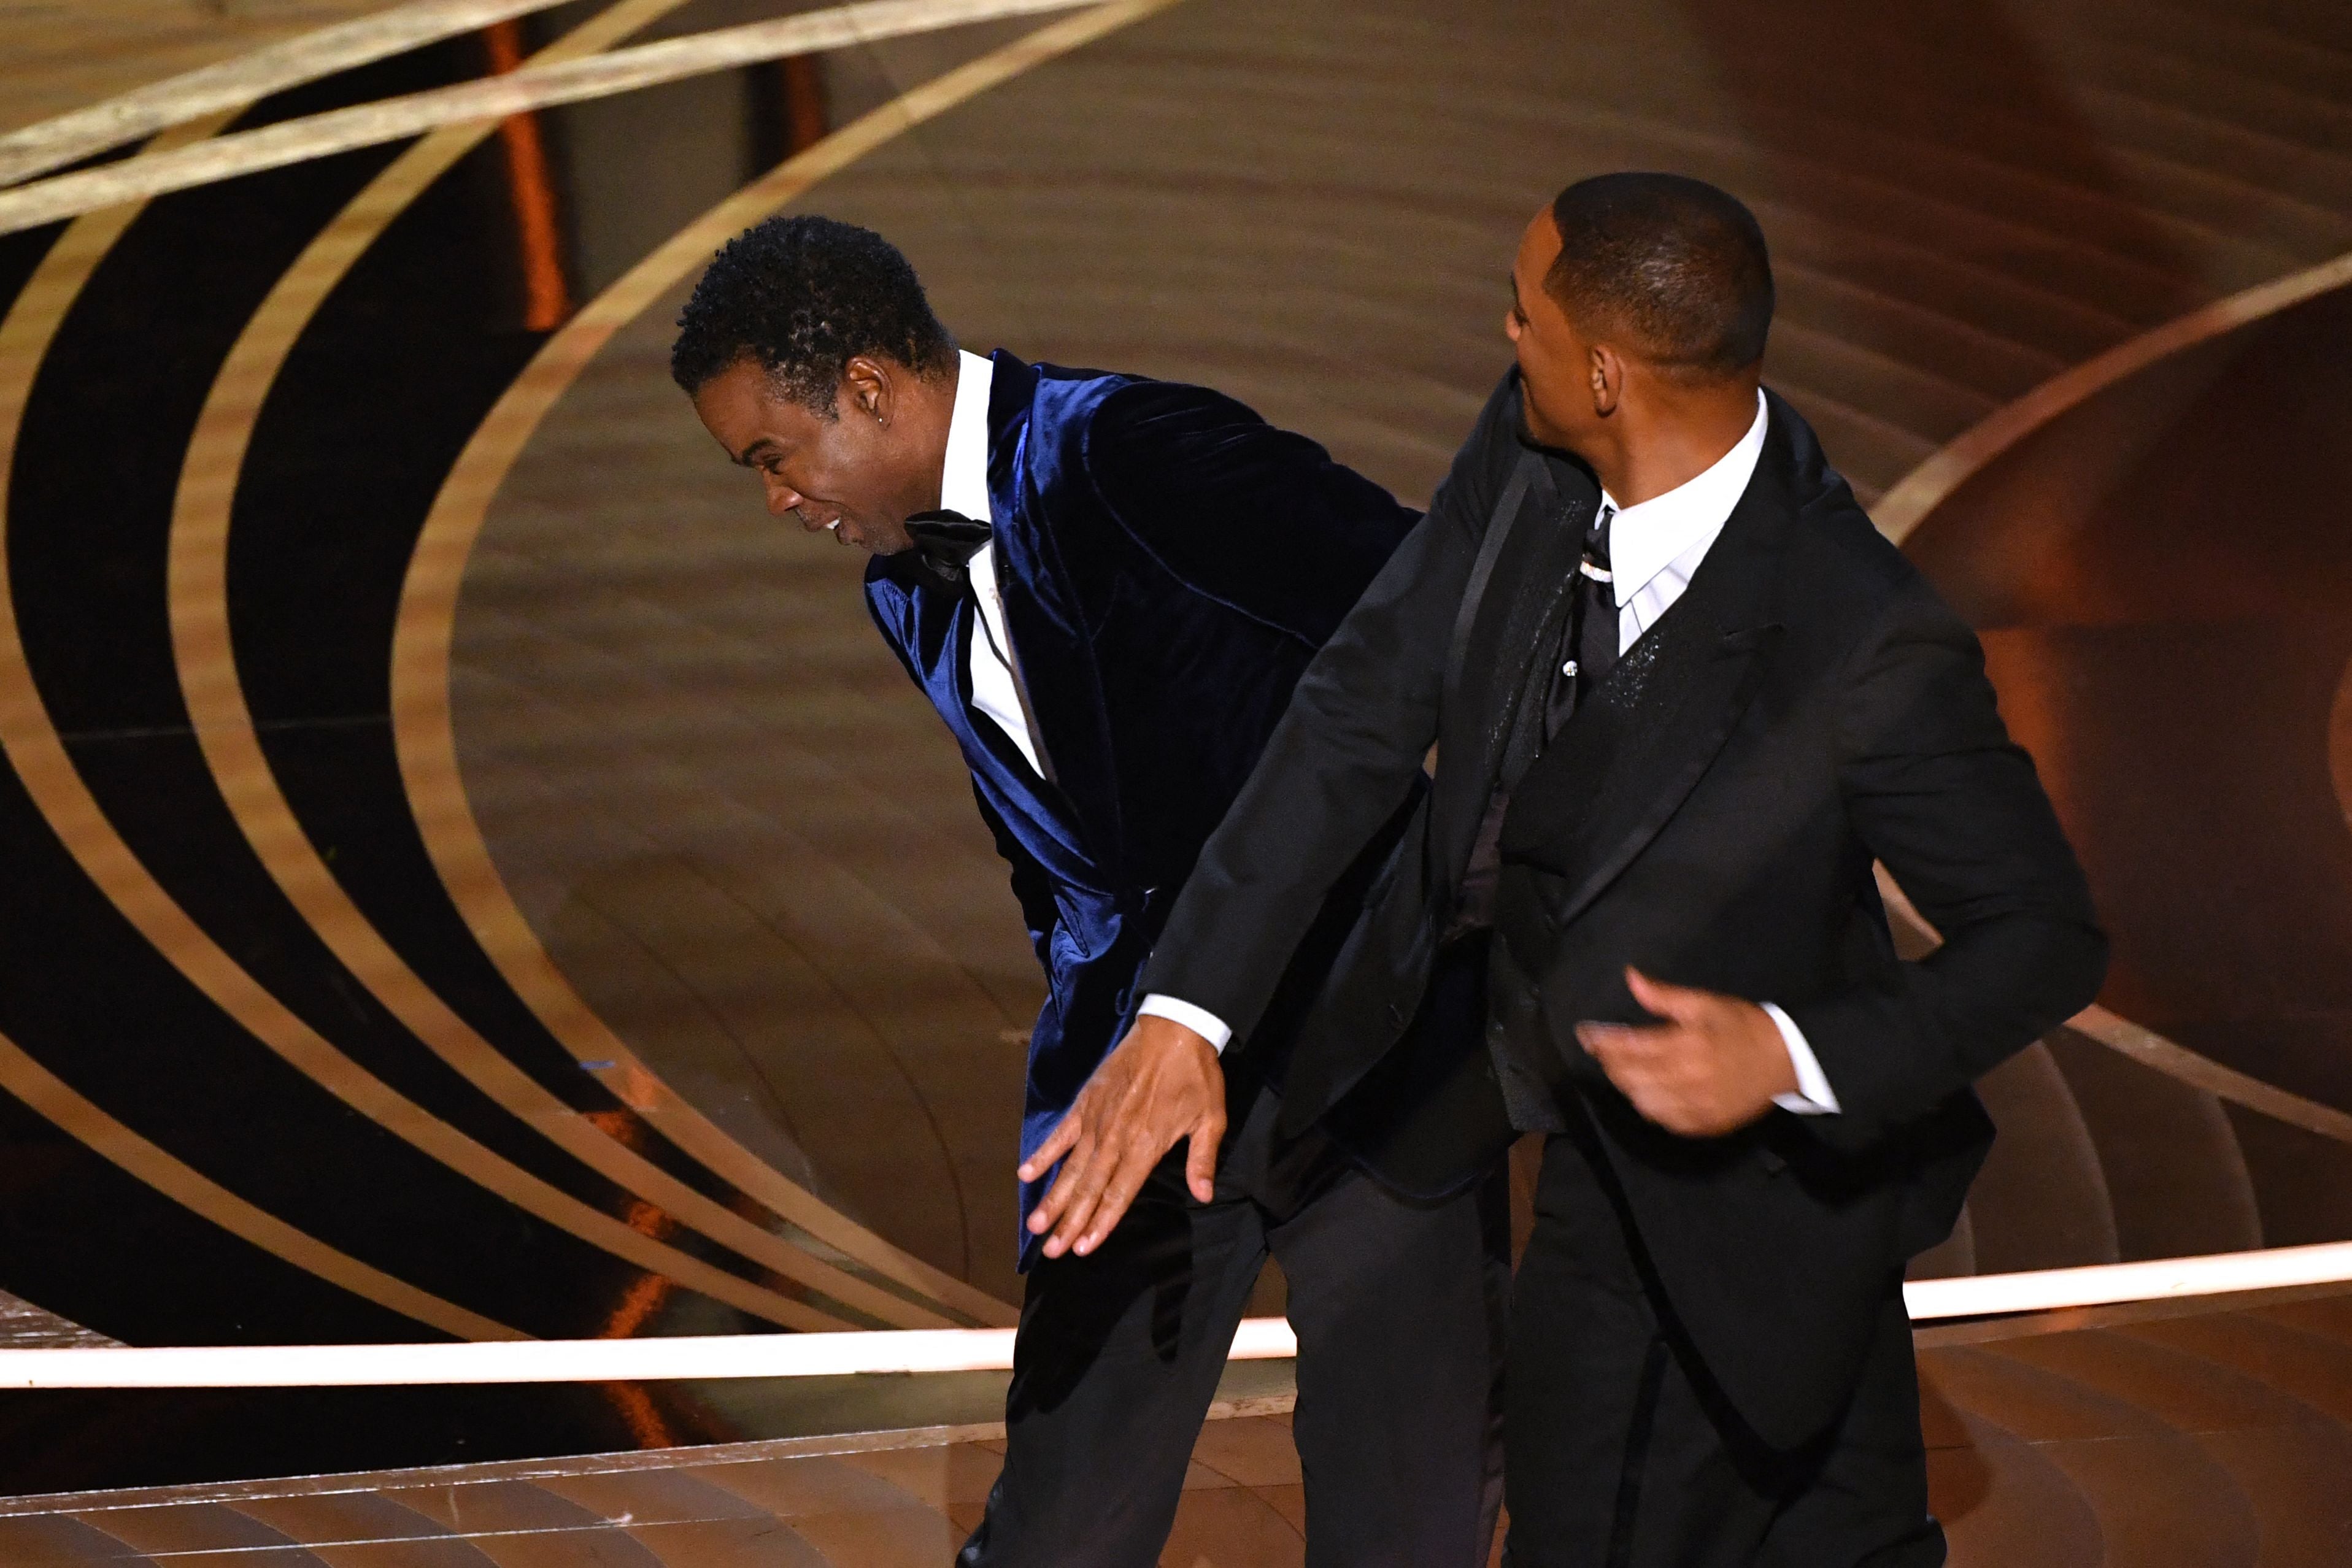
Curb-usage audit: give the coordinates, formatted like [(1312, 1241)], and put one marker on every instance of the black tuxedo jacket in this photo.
[(1710, 816)]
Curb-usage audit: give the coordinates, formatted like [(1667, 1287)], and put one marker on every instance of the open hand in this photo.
[(1711, 1068), (1162, 1083)]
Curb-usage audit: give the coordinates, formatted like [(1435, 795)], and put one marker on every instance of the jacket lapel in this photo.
[(1495, 647), (1615, 776), (1051, 644)]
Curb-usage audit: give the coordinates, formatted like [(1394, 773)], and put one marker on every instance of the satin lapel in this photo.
[(1648, 782), (1497, 641), (1051, 644), (1678, 693)]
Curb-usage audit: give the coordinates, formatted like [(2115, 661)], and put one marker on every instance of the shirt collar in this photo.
[(963, 484), (1644, 540)]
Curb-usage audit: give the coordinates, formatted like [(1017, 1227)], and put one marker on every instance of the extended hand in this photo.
[(1710, 1069), (1162, 1083)]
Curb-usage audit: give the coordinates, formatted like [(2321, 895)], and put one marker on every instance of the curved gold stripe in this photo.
[(31, 744), (224, 725), (25, 332), (50, 1095), (2153, 1050), (234, 84), (1926, 488), (1921, 491), (421, 648), (2149, 1048), (495, 98)]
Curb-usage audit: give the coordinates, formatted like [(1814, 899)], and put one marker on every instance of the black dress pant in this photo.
[(1622, 1453), (1399, 1308)]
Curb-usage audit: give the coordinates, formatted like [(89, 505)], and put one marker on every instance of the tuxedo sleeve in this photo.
[(1341, 762), (1258, 518), (1938, 793)]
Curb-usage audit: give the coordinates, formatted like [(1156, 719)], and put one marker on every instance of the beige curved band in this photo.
[(2152, 1051), (223, 724), (1925, 488), (494, 97), (24, 336), (234, 84), (30, 741), (81, 1118), (421, 650)]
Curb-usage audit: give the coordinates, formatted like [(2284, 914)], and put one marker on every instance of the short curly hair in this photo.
[(802, 296)]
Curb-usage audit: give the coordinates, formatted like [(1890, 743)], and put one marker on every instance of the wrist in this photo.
[(1165, 1034), (1779, 1068)]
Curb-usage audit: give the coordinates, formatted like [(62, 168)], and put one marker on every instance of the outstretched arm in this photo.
[(1337, 767)]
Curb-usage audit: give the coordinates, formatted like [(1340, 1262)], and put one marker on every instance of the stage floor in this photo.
[(2189, 1436), (469, 873)]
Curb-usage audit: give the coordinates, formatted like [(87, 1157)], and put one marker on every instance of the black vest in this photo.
[(1543, 864)]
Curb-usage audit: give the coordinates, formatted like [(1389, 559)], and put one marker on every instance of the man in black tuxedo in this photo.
[(1683, 695)]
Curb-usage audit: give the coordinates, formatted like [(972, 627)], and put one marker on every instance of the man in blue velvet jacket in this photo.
[(1108, 586)]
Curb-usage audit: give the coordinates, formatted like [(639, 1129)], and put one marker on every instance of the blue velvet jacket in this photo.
[(1169, 562)]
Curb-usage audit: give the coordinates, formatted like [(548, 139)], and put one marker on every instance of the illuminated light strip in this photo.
[(901, 1352), (1926, 488), (234, 84), (496, 97)]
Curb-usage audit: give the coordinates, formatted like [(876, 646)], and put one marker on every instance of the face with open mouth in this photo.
[(850, 471)]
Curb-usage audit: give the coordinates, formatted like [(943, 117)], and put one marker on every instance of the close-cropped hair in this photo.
[(800, 297), (1674, 269)]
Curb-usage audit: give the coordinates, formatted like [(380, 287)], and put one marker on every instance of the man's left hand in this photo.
[(1711, 1068), (1162, 1084)]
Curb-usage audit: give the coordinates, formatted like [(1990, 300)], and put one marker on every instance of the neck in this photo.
[(1642, 454), (930, 408)]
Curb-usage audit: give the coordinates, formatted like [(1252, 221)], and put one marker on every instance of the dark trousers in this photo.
[(1399, 1308), (1621, 1452)]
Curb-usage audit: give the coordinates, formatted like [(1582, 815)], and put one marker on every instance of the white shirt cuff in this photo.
[(1199, 1020), (1814, 1096)]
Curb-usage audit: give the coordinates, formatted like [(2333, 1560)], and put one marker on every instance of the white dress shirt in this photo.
[(1655, 549), (963, 487)]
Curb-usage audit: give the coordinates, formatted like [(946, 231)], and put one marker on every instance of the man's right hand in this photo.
[(1164, 1082)]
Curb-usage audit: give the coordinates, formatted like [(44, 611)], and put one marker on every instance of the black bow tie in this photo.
[(945, 542)]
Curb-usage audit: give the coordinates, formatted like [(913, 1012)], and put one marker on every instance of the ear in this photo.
[(868, 390), (1605, 372)]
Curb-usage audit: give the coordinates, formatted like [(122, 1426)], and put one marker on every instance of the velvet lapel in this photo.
[(1613, 779), (1028, 450), (1530, 574)]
